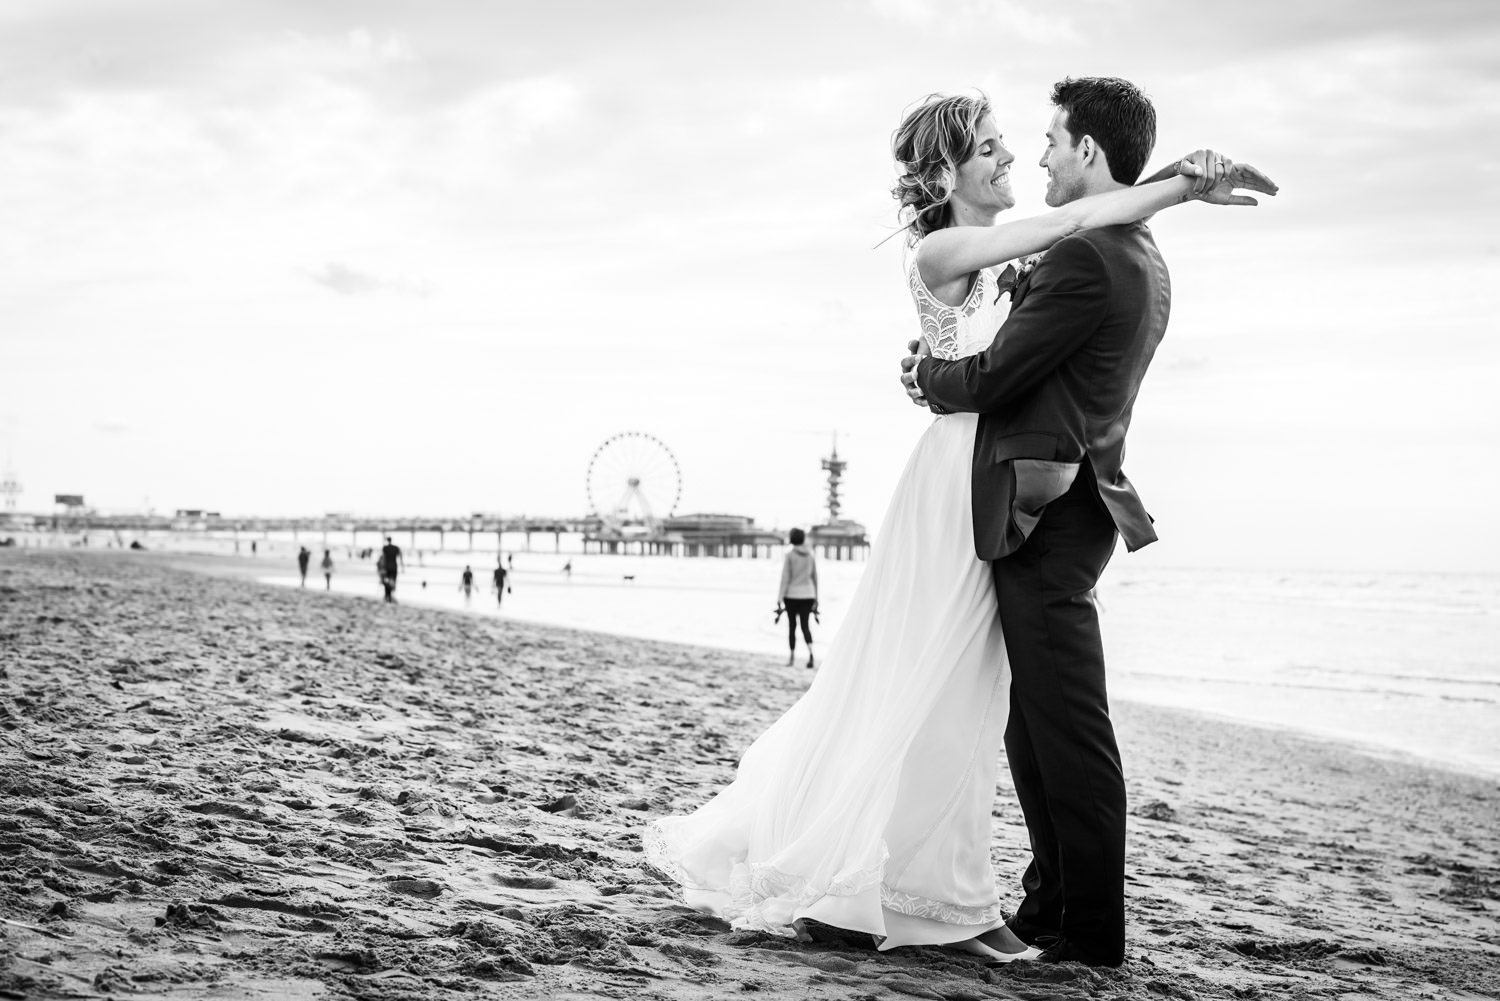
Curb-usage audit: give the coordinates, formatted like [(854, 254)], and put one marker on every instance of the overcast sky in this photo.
[(296, 257)]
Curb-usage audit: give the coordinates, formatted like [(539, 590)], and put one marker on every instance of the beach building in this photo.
[(722, 535), (840, 539)]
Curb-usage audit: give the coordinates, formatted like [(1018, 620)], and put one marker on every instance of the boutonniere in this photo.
[(1011, 278)]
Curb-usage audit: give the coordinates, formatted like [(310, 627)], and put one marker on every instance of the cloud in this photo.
[(1024, 20), (345, 280), (526, 106), (391, 47), (1356, 133)]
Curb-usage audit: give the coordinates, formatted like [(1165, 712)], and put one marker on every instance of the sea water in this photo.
[(1404, 662)]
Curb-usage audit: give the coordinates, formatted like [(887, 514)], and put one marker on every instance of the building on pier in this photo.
[(721, 535), (839, 540)]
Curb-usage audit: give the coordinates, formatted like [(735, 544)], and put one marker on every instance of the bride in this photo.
[(867, 805)]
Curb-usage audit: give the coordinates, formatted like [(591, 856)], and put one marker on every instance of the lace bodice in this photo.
[(957, 331)]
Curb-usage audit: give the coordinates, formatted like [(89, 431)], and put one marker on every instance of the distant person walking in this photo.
[(327, 565), (304, 557), (502, 588), (390, 561), (568, 570), (799, 593), (252, 547), (466, 584)]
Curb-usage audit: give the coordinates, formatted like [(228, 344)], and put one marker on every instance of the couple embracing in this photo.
[(867, 806)]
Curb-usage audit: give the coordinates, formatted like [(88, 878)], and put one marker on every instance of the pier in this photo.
[(313, 527), (693, 535), (626, 468)]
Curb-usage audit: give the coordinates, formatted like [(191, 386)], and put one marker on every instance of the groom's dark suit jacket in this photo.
[(1057, 385)]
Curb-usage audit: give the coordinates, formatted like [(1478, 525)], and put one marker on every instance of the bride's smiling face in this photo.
[(983, 183)]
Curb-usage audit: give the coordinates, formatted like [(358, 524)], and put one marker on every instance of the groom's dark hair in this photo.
[(1118, 116)]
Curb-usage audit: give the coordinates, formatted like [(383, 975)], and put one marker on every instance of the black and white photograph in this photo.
[(680, 500)]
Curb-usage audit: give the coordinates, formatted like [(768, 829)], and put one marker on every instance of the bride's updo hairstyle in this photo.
[(932, 141)]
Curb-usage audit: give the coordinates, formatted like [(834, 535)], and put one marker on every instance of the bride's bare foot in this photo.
[(1004, 941), (999, 945), (978, 949)]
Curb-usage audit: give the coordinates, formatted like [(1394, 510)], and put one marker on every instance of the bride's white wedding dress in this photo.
[(867, 805)]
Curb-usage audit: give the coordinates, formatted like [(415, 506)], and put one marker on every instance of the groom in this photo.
[(1054, 392)]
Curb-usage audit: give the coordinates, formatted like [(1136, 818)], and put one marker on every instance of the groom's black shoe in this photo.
[(1063, 951)]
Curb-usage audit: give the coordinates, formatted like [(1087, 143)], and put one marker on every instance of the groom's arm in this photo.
[(1064, 305)]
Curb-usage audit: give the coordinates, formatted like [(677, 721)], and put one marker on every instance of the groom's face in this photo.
[(1065, 181)]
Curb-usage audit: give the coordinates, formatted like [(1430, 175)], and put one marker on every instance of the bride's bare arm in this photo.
[(948, 254)]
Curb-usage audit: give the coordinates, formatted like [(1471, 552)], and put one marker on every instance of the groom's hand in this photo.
[(916, 351)]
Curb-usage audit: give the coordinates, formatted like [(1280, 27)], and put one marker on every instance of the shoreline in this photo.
[(257, 570), (234, 790)]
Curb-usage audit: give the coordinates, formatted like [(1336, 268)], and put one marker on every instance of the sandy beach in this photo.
[(216, 788)]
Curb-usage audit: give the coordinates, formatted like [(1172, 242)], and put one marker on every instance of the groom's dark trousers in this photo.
[(1055, 392), (1059, 740)]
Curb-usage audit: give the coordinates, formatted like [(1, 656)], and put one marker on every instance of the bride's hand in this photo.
[(1238, 175), (916, 351), (1204, 166)]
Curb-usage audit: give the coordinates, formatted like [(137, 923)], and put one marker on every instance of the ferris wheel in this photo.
[(634, 478)]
